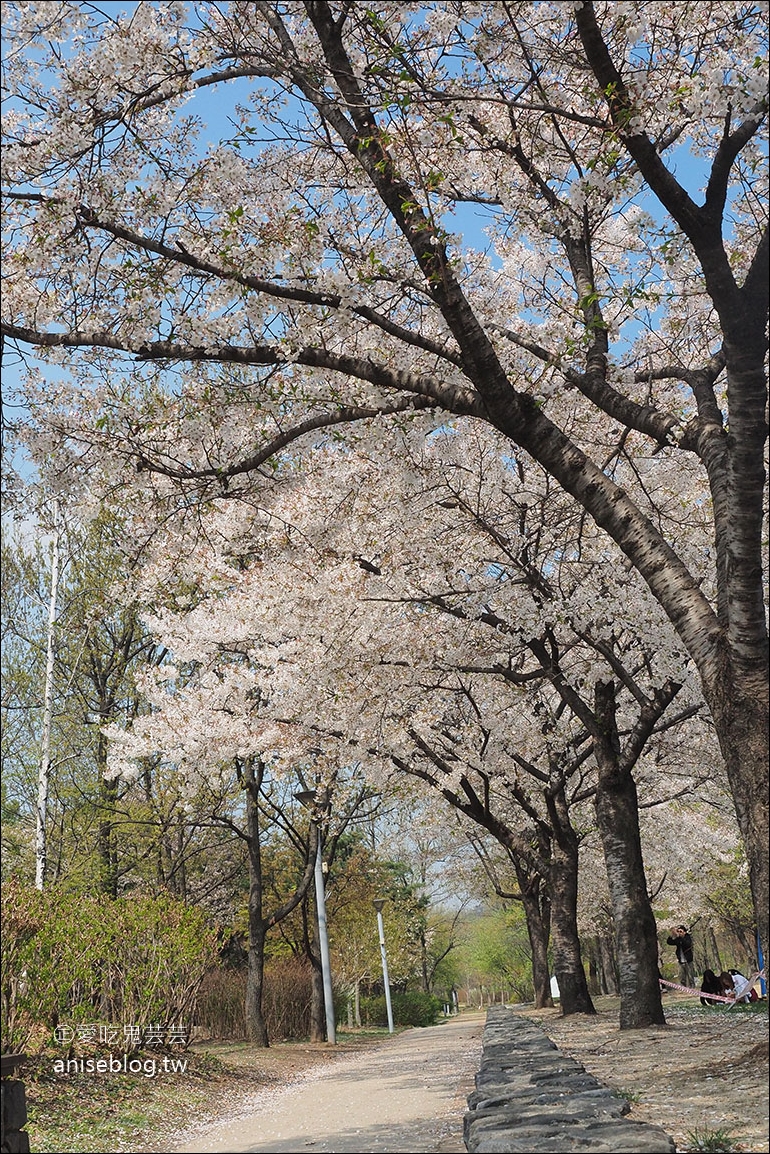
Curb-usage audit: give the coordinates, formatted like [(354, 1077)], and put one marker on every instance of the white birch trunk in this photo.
[(41, 847)]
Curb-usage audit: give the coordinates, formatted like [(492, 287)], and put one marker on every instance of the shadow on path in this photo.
[(408, 1095)]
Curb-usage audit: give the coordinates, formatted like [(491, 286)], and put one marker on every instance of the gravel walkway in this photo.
[(408, 1095)]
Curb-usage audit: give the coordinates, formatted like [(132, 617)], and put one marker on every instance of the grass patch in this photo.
[(712, 1141), (633, 1097), (695, 1009)]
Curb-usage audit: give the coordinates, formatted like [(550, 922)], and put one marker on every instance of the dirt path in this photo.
[(703, 1075), (407, 1095)]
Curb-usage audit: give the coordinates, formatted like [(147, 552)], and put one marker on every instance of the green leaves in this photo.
[(140, 959)]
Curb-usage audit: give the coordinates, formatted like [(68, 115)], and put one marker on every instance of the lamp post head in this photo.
[(378, 903), (306, 797)]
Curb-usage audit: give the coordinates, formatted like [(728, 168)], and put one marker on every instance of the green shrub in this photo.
[(712, 1141), (74, 960), (410, 1009), (21, 920)]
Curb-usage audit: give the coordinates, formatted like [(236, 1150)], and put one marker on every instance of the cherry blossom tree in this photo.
[(305, 269), (425, 643)]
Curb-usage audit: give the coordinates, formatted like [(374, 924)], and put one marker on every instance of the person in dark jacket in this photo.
[(710, 985), (681, 939)]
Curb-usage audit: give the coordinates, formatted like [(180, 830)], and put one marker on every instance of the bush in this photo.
[(21, 920), (220, 1004), (410, 1009), (286, 999), (72, 960), (285, 1002)]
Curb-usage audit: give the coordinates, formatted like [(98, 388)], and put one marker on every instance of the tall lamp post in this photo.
[(309, 798), (378, 903)]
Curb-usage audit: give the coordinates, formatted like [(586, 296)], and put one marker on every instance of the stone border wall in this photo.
[(13, 1107), (531, 1098)]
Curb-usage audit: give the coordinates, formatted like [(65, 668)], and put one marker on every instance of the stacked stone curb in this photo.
[(13, 1105), (530, 1097)]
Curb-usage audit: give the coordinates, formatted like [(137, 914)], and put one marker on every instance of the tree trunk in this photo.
[(563, 888), (591, 947), (256, 1027), (313, 955), (251, 773), (41, 811), (537, 916), (317, 1004), (741, 724), (180, 873), (617, 815), (424, 969), (610, 979), (711, 958), (108, 853)]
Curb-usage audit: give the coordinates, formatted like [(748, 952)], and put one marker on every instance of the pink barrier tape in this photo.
[(712, 997), (698, 993)]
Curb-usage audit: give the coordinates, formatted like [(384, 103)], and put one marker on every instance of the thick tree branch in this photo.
[(344, 416)]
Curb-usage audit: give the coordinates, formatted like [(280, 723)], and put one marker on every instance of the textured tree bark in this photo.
[(317, 1006), (617, 815), (537, 914), (608, 964), (741, 725), (256, 1026), (563, 888), (313, 955)]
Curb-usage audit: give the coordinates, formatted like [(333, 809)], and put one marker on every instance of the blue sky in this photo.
[(215, 106)]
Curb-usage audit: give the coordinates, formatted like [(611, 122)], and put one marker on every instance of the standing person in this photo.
[(683, 942)]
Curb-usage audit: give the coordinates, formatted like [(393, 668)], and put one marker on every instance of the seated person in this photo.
[(726, 982), (742, 987), (710, 985)]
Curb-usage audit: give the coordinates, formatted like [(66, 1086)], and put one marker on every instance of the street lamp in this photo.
[(378, 903), (309, 798)]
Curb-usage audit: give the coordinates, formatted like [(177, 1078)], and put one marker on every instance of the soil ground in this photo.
[(703, 1074), (703, 1078)]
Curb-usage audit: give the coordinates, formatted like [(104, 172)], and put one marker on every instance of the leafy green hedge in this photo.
[(71, 960), (411, 1009)]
